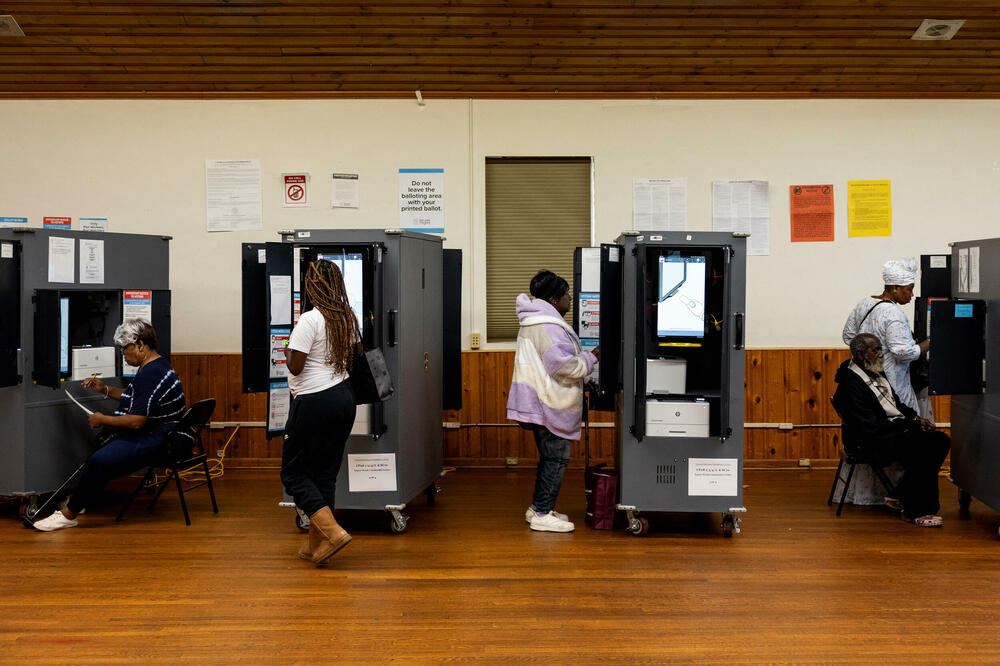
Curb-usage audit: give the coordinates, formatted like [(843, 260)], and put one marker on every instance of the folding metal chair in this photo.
[(183, 449), (852, 461)]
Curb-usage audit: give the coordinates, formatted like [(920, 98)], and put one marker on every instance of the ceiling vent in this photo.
[(937, 29), (9, 27)]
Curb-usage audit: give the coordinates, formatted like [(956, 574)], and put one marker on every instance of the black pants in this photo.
[(921, 453), (315, 436), (123, 455)]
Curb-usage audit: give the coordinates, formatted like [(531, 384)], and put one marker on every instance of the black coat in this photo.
[(866, 429)]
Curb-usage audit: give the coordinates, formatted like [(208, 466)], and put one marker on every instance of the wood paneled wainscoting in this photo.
[(784, 387)]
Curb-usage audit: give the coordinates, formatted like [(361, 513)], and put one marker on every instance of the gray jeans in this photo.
[(553, 456)]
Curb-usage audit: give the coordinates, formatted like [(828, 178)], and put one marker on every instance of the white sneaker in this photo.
[(550, 523), (530, 513), (57, 521)]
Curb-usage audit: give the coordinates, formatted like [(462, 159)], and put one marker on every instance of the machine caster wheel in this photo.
[(728, 525), (301, 521), (964, 500), (639, 527), (432, 492), (398, 524)]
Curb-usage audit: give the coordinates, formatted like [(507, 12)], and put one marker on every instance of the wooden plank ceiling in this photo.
[(495, 48)]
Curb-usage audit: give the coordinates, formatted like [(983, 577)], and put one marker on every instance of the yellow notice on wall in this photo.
[(869, 208)]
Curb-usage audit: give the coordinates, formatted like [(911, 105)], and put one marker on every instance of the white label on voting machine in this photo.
[(7, 251), (713, 477), (939, 261), (371, 472)]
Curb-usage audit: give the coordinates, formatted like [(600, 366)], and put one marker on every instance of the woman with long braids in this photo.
[(319, 355)]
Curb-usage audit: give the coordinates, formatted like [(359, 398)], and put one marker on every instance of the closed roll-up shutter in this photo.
[(537, 211)]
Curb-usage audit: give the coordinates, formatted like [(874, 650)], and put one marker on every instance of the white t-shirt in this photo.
[(309, 337)]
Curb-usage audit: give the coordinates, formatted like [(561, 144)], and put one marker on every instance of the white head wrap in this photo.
[(900, 271)]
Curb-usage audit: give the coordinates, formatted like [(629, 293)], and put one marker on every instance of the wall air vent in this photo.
[(937, 29), (9, 27)]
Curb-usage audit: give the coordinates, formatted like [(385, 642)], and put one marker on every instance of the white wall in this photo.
[(142, 163)]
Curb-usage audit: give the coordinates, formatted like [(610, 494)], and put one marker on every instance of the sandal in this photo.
[(894, 504), (926, 521)]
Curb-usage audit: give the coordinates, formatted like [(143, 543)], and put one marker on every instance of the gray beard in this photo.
[(875, 366)]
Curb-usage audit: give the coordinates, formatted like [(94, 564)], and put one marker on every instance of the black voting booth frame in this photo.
[(47, 436), (411, 311)]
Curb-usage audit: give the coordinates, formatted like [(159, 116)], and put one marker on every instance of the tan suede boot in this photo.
[(332, 537), (311, 543)]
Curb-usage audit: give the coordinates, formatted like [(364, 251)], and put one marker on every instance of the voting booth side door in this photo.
[(10, 306), (161, 320), (451, 359), (46, 338), (254, 325), (958, 346), (638, 428), (278, 294), (610, 337)]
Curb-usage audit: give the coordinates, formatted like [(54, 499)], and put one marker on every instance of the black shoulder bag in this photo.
[(370, 377)]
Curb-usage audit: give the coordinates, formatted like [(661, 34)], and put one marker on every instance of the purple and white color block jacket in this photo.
[(549, 368)]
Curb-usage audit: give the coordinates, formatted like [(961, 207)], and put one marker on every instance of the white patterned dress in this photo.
[(889, 324)]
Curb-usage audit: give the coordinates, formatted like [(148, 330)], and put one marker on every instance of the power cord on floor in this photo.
[(216, 468)]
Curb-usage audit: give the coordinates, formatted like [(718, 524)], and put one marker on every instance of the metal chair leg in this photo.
[(847, 485), (208, 480), (128, 502), (180, 493), (159, 491), (836, 478)]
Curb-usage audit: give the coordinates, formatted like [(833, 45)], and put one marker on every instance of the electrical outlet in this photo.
[(511, 461), (474, 341), (218, 453), (805, 462)]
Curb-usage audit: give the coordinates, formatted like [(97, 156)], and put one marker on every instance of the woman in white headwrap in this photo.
[(883, 317)]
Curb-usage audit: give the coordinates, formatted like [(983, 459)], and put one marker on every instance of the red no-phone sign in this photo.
[(295, 189)]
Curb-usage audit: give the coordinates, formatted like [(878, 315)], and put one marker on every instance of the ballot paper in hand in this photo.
[(88, 411)]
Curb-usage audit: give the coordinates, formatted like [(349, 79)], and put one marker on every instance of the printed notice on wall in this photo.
[(869, 208), (713, 477), (421, 200), (743, 206), (136, 304), (93, 224), (811, 209), (65, 223), (659, 204), (279, 400), (344, 192), (62, 251), (233, 199), (91, 261), (295, 190), (13, 222), (371, 472)]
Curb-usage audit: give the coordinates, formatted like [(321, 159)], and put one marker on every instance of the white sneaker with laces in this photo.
[(530, 513), (57, 521), (549, 523)]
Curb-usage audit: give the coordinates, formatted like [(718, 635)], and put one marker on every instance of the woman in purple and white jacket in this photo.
[(546, 391)]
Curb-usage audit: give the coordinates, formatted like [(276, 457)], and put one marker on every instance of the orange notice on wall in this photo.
[(812, 212)]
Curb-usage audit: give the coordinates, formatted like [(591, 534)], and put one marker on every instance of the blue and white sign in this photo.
[(421, 200), (13, 222)]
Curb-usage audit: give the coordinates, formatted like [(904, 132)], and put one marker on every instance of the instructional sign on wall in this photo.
[(64, 223), (421, 200), (233, 199), (743, 206), (13, 222), (371, 472), (869, 208), (659, 204), (344, 190), (295, 190), (713, 477), (811, 210), (93, 224), (589, 313)]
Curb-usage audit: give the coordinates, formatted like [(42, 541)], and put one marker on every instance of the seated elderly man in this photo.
[(884, 430)]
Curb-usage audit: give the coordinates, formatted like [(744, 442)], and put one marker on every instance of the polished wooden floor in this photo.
[(469, 581)]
